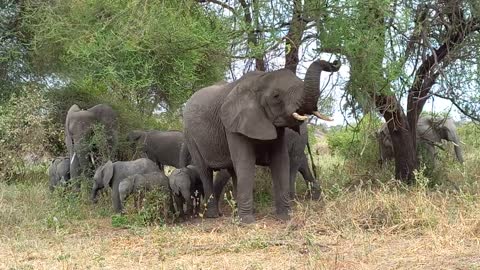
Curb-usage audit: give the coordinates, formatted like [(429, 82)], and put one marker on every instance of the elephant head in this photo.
[(436, 129), (430, 131), (102, 178), (79, 125), (262, 101)]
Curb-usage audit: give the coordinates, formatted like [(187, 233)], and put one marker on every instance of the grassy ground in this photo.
[(363, 222)]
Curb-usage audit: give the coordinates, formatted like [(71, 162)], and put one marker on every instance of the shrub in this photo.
[(356, 143), (26, 133), (154, 210)]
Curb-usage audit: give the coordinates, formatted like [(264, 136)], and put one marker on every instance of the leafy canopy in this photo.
[(152, 53)]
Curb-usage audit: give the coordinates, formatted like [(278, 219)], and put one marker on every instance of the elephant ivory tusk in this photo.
[(91, 158), (321, 116), (73, 157), (455, 144), (299, 117)]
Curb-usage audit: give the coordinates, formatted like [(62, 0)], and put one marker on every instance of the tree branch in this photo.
[(224, 5), (462, 110)]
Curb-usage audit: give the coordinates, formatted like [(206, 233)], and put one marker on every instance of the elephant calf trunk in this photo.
[(94, 194)]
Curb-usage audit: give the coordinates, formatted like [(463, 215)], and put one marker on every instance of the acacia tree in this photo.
[(413, 48), (265, 31), (148, 53), (14, 68)]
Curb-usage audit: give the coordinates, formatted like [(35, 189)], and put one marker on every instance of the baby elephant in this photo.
[(141, 183), (59, 172), (186, 187)]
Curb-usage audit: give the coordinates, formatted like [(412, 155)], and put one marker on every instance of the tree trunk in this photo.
[(404, 144), (404, 149), (293, 38)]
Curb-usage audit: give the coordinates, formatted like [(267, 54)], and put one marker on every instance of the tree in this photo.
[(150, 53), (266, 30), (14, 69), (398, 48)]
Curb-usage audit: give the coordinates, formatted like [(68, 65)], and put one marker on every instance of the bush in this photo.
[(27, 135), (154, 210), (129, 117), (356, 143)]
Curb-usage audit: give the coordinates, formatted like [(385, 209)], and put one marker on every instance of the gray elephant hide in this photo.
[(430, 133), (110, 174), (140, 183), (59, 172), (187, 189)]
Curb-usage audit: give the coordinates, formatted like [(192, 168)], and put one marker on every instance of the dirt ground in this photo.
[(221, 244)]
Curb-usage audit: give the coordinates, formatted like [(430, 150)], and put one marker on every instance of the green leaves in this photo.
[(130, 47)]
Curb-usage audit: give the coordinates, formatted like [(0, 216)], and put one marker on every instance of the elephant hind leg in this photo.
[(292, 178), (312, 183)]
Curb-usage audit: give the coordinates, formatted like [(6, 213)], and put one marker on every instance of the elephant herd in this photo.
[(228, 128)]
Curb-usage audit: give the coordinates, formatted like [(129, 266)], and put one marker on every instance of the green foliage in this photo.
[(129, 117), (26, 133), (469, 135), (13, 65), (154, 210), (357, 142), (144, 52)]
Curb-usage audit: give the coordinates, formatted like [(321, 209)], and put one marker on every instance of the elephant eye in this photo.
[(276, 96)]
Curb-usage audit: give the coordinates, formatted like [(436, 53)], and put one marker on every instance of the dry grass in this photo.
[(365, 221), (385, 229)]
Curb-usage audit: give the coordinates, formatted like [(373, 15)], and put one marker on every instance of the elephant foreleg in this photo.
[(280, 167), (243, 158), (179, 203)]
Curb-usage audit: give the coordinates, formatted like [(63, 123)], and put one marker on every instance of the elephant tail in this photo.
[(185, 157)]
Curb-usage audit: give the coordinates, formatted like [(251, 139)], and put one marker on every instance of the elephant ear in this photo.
[(107, 173), (242, 113)]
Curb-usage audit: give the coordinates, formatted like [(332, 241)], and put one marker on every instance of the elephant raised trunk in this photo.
[(312, 86)]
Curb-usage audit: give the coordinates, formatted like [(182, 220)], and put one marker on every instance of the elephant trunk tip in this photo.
[(312, 91)]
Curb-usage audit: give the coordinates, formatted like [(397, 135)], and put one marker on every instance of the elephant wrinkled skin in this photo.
[(239, 124), (163, 147), (296, 144)]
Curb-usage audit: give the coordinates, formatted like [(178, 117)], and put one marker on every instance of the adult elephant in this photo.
[(430, 132), (296, 143), (163, 147), (79, 127), (242, 123)]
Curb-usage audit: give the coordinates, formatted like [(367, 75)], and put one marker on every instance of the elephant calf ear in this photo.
[(242, 113)]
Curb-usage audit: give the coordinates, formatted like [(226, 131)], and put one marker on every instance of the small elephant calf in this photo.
[(187, 188), (59, 172), (141, 183)]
